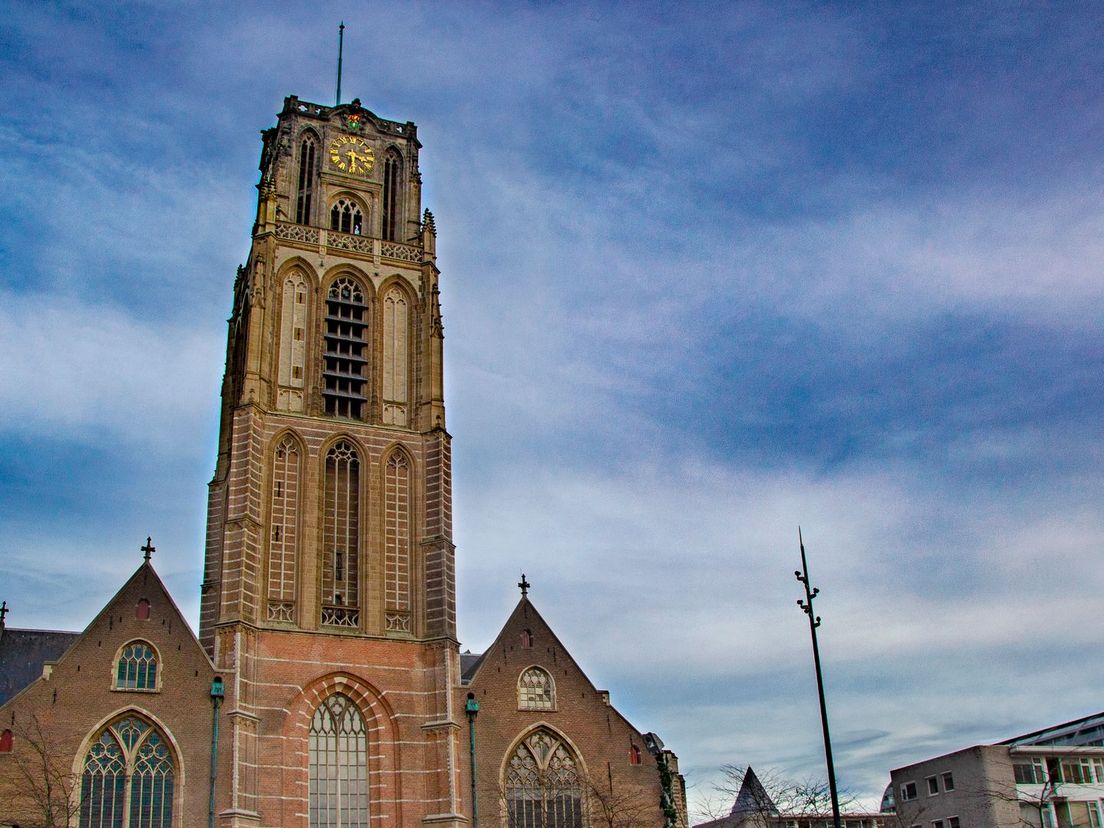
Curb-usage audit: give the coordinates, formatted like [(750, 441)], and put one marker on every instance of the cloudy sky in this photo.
[(710, 273)]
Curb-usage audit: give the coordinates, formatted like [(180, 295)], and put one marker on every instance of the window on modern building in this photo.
[(908, 791), (542, 784), (338, 765), (1094, 815), (341, 537), (937, 823), (142, 610), (137, 667), (933, 785), (345, 217), (536, 690), (6, 741), (952, 822), (392, 195), (1029, 772), (128, 778), (634, 755), (948, 780), (1076, 771), (305, 190), (283, 544), (345, 362)]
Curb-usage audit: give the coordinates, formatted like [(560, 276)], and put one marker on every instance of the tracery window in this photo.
[(338, 765), (341, 537), (536, 690), (392, 195), (396, 538), (543, 785), (395, 343), (305, 190), (345, 363), (283, 542), (137, 667), (128, 778), (345, 217)]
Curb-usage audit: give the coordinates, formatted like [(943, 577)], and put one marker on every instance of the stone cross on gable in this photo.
[(524, 585), (149, 549), (3, 612)]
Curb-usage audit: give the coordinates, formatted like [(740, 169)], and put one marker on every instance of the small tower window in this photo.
[(536, 690), (142, 610), (392, 195), (305, 190), (345, 217), (137, 667), (6, 741), (634, 755)]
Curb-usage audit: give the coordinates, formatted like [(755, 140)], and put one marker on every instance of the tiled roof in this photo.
[(22, 654)]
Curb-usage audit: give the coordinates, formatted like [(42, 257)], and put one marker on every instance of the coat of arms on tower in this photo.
[(354, 119)]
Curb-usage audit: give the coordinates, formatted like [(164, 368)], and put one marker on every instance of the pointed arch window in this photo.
[(293, 345), (396, 538), (345, 217), (392, 195), (345, 368), (283, 541), (308, 151), (128, 778), (341, 537), (396, 323), (543, 784), (338, 765), (136, 668), (536, 691)]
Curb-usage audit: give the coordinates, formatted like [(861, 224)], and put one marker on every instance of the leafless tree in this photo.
[(42, 787)]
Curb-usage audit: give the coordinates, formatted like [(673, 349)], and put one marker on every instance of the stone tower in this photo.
[(329, 588)]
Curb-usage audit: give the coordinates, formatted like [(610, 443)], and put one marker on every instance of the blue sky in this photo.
[(710, 272)]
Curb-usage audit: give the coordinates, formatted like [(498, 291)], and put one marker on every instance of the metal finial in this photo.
[(3, 613), (524, 585), (148, 549)]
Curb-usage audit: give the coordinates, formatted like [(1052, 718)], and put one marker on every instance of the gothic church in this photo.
[(326, 687)]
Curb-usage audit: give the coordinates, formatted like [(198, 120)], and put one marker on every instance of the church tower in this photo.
[(329, 587)]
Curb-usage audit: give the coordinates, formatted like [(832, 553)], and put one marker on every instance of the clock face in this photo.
[(351, 154)]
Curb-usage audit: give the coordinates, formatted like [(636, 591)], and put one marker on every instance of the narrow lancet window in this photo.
[(341, 537), (305, 190), (283, 544), (395, 365), (397, 525), (392, 195), (293, 345)]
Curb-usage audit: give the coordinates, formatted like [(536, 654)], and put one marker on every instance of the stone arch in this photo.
[(399, 514)]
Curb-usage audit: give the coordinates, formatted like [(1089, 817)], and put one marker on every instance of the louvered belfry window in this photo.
[(345, 368)]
